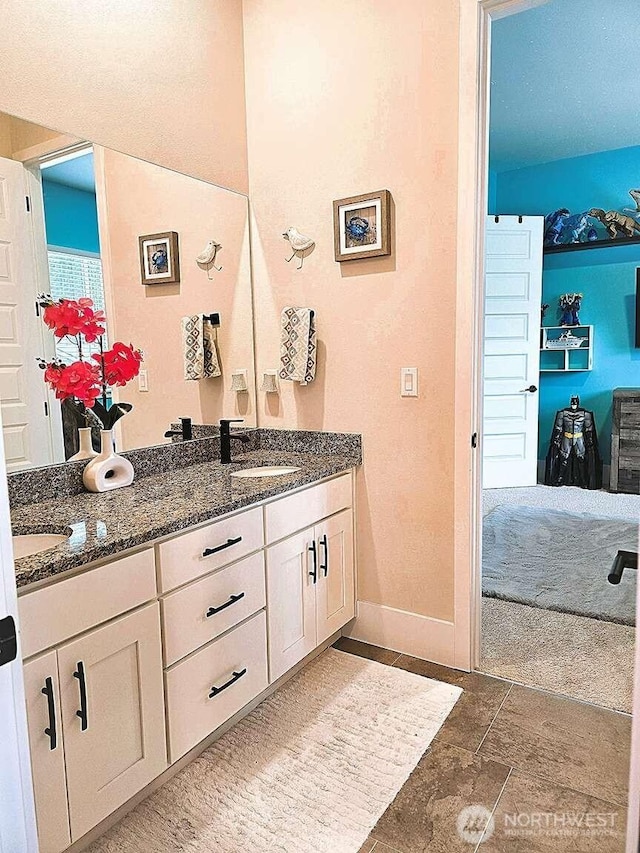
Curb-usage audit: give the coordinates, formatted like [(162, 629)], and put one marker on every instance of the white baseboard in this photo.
[(401, 631)]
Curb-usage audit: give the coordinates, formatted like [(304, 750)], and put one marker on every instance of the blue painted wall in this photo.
[(606, 277), (71, 217)]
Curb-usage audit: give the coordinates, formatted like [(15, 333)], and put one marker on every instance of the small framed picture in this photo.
[(159, 258), (362, 226)]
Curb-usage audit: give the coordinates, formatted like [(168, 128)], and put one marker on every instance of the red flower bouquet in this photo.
[(83, 380)]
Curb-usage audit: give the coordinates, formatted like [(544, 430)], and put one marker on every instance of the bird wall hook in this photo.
[(301, 245), (207, 257)]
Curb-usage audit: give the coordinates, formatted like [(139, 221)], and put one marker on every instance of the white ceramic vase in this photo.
[(86, 447), (107, 470)]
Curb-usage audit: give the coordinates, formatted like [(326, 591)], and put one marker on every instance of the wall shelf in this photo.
[(569, 359)]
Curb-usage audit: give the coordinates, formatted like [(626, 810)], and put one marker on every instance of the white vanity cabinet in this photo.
[(162, 647), (95, 703), (310, 574)]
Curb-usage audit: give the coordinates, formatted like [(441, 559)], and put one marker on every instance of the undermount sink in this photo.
[(33, 543), (266, 471)]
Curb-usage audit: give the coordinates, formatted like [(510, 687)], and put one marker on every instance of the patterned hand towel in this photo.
[(201, 359), (298, 345)]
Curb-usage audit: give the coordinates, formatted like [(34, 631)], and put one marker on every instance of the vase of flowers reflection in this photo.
[(85, 383)]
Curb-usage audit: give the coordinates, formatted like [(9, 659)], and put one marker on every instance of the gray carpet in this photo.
[(558, 560), (586, 659)]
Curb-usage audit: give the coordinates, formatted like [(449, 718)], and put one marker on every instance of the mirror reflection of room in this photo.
[(93, 214)]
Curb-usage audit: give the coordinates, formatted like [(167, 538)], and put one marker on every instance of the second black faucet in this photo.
[(226, 436)]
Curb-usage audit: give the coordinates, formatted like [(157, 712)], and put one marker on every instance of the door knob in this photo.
[(531, 390)]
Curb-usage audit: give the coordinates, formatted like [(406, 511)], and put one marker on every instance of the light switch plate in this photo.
[(143, 381), (408, 381)]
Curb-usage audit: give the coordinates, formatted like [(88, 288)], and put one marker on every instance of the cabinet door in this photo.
[(113, 713), (47, 752), (335, 590), (291, 609)]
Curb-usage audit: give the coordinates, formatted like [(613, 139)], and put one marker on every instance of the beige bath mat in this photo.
[(309, 771)]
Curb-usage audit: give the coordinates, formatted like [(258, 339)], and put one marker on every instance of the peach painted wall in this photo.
[(136, 198), (158, 79), (16, 135), (344, 98)]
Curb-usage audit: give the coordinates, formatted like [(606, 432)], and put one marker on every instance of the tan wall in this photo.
[(158, 79), (344, 99), (137, 198), (6, 146)]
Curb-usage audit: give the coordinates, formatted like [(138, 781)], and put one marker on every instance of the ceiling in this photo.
[(76, 173), (565, 81)]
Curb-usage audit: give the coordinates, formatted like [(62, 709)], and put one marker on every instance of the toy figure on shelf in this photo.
[(574, 457), (570, 305), (562, 226)]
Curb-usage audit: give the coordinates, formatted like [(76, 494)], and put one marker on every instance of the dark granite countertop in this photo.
[(155, 506)]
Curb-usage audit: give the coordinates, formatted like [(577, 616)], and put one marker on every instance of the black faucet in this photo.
[(226, 436), (185, 430)]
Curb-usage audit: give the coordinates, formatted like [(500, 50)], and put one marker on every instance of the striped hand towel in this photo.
[(298, 345), (201, 359)]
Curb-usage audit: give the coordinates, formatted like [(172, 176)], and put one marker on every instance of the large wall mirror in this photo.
[(88, 207)]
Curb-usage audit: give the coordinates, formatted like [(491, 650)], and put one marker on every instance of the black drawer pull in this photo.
[(314, 570), (235, 677), (325, 544), (82, 713), (232, 600), (50, 731), (209, 551)]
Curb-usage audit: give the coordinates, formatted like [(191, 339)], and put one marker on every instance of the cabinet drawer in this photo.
[(293, 513), (192, 713), (50, 615), (183, 559), (234, 592)]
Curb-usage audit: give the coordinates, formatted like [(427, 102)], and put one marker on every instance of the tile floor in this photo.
[(539, 764)]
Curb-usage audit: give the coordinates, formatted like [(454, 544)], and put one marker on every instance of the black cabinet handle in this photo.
[(325, 544), (314, 570), (232, 600), (50, 731), (209, 551), (82, 713), (235, 677)]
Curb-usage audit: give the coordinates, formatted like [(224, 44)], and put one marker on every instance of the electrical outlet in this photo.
[(143, 381), (408, 381)]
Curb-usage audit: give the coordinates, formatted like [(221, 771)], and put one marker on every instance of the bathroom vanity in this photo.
[(139, 658)]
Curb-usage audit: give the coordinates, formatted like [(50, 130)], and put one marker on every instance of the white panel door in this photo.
[(335, 589), (17, 815), (291, 601), (27, 435), (47, 752), (112, 695), (513, 296)]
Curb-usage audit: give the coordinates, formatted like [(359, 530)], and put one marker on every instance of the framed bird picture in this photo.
[(362, 226)]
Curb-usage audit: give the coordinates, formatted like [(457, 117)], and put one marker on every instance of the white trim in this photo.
[(17, 810), (51, 147), (473, 167), (401, 631), (81, 253)]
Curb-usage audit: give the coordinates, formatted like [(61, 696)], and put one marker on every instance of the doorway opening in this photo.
[(561, 371)]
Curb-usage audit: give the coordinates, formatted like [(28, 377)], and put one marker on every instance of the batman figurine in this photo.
[(574, 458)]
